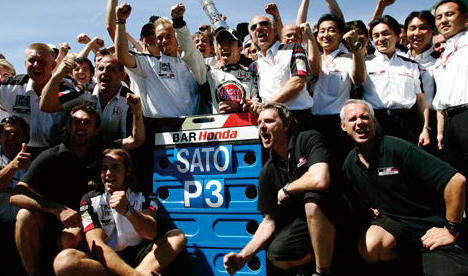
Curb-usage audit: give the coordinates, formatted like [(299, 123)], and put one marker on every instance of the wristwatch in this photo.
[(453, 227), (130, 211)]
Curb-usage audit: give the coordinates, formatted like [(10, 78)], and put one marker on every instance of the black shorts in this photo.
[(292, 242), (341, 208), (133, 255)]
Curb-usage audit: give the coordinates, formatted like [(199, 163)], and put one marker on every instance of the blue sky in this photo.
[(23, 22)]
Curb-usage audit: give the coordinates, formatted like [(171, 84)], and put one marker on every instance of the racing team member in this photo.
[(229, 85), (121, 226), (301, 210)]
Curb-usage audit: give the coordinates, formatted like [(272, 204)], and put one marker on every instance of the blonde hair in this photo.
[(41, 47), (8, 66), (162, 21)]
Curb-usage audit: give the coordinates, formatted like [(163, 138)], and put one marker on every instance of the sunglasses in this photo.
[(265, 23)]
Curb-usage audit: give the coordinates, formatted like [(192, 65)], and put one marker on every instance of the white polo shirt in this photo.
[(334, 83), (97, 213), (451, 73), (281, 63), (18, 97), (426, 62), (113, 116), (8, 211), (391, 83)]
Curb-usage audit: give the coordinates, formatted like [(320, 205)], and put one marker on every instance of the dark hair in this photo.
[(153, 18), (207, 35), (387, 20), (332, 17), (15, 120), (357, 24), (285, 115), (425, 15), (82, 60), (461, 5), (87, 108)]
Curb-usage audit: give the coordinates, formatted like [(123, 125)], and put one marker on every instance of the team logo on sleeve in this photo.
[(230, 91), (301, 67)]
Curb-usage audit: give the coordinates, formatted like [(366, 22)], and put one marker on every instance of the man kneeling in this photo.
[(120, 226)]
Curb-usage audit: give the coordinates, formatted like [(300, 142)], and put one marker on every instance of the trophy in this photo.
[(212, 13)]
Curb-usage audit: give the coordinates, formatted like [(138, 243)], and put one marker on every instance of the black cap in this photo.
[(228, 32), (147, 29)]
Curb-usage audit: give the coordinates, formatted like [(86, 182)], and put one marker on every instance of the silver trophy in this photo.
[(213, 14)]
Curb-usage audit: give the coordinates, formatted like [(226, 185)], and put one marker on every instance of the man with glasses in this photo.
[(283, 70)]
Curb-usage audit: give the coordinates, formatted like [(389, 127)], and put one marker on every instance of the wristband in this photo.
[(120, 21), (453, 227), (286, 191)]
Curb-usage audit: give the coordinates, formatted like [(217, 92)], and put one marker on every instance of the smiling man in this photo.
[(109, 97), (451, 99), (418, 200), (50, 191), (20, 96), (121, 227), (230, 88)]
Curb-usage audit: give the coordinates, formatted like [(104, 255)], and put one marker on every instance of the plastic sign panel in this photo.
[(203, 160), (207, 193)]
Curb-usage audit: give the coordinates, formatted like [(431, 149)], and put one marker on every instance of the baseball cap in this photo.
[(229, 33)]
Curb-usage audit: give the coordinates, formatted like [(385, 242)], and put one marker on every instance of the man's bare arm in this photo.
[(121, 43), (137, 138), (25, 197), (49, 101)]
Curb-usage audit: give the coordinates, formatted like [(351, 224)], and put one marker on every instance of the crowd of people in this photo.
[(366, 125)]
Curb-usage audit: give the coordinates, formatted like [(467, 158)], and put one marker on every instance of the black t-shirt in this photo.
[(304, 150), (402, 182), (57, 174)]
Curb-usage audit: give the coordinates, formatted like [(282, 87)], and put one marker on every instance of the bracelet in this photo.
[(286, 191), (453, 227), (120, 21)]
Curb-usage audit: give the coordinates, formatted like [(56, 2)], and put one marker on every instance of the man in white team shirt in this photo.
[(166, 86), (451, 70)]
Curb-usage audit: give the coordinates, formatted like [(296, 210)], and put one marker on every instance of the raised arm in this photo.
[(334, 8), (111, 18), (191, 55), (272, 10), (49, 100), (63, 51), (92, 45), (137, 138), (379, 9), (315, 59), (302, 12), (121, 42), (358, 71)]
